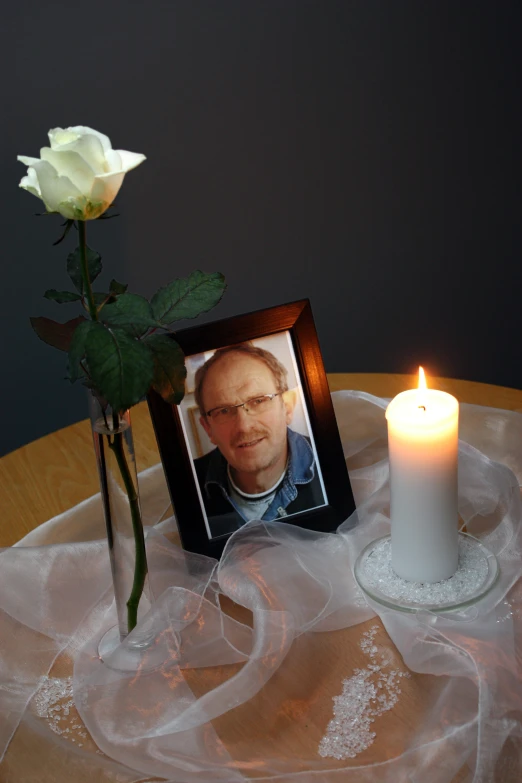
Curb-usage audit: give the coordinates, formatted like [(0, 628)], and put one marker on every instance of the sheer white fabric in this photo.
[(225, 725)]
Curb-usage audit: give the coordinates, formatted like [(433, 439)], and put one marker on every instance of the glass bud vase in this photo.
[(114, 449)]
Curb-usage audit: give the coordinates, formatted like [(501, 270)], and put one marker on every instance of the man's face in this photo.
[(250, 443)]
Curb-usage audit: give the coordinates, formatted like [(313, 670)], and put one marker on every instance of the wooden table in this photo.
[(56, 472)]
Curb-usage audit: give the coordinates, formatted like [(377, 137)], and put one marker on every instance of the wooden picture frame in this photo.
[(201, 530)]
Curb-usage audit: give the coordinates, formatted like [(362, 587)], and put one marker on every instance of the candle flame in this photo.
[(421, 396)]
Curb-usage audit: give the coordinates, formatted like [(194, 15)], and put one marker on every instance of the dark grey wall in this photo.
[(363, 154)]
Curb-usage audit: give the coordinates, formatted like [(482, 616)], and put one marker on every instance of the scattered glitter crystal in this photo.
[(367, 694), (54, 696), (471, 574), (508, 612), (359, 599), (54, 702)]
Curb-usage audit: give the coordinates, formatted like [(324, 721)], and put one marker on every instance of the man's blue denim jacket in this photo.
[(299, 491)]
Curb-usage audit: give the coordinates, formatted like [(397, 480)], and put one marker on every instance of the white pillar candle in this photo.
[(423, 450)]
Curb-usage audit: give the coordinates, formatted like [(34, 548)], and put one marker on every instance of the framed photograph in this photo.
[(255, 436)]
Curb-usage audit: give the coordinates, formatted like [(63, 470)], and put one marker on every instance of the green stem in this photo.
[(116, 446), (140, 563), (87, 287)]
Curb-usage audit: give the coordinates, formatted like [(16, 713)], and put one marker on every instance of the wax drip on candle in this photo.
[(421, 397)]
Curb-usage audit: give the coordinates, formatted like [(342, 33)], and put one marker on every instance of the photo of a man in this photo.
[(259, 468)]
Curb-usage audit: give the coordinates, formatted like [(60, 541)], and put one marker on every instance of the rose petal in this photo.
[(26, 160), (58, 137), (30, 183), (90, 149), (106, 187), (113, 161), (130, 160), (72, 165), (83, 130), (58, 193)]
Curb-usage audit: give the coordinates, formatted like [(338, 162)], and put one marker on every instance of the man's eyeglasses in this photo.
[(255, 407)]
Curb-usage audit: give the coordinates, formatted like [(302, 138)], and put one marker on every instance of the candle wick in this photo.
[(423, 407)]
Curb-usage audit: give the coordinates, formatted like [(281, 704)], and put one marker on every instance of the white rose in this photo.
[(80, 174)]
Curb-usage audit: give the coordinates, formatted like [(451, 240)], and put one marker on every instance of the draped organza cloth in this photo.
[(163, 722)]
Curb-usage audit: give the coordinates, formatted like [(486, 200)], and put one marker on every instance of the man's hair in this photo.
[(278, 370)]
